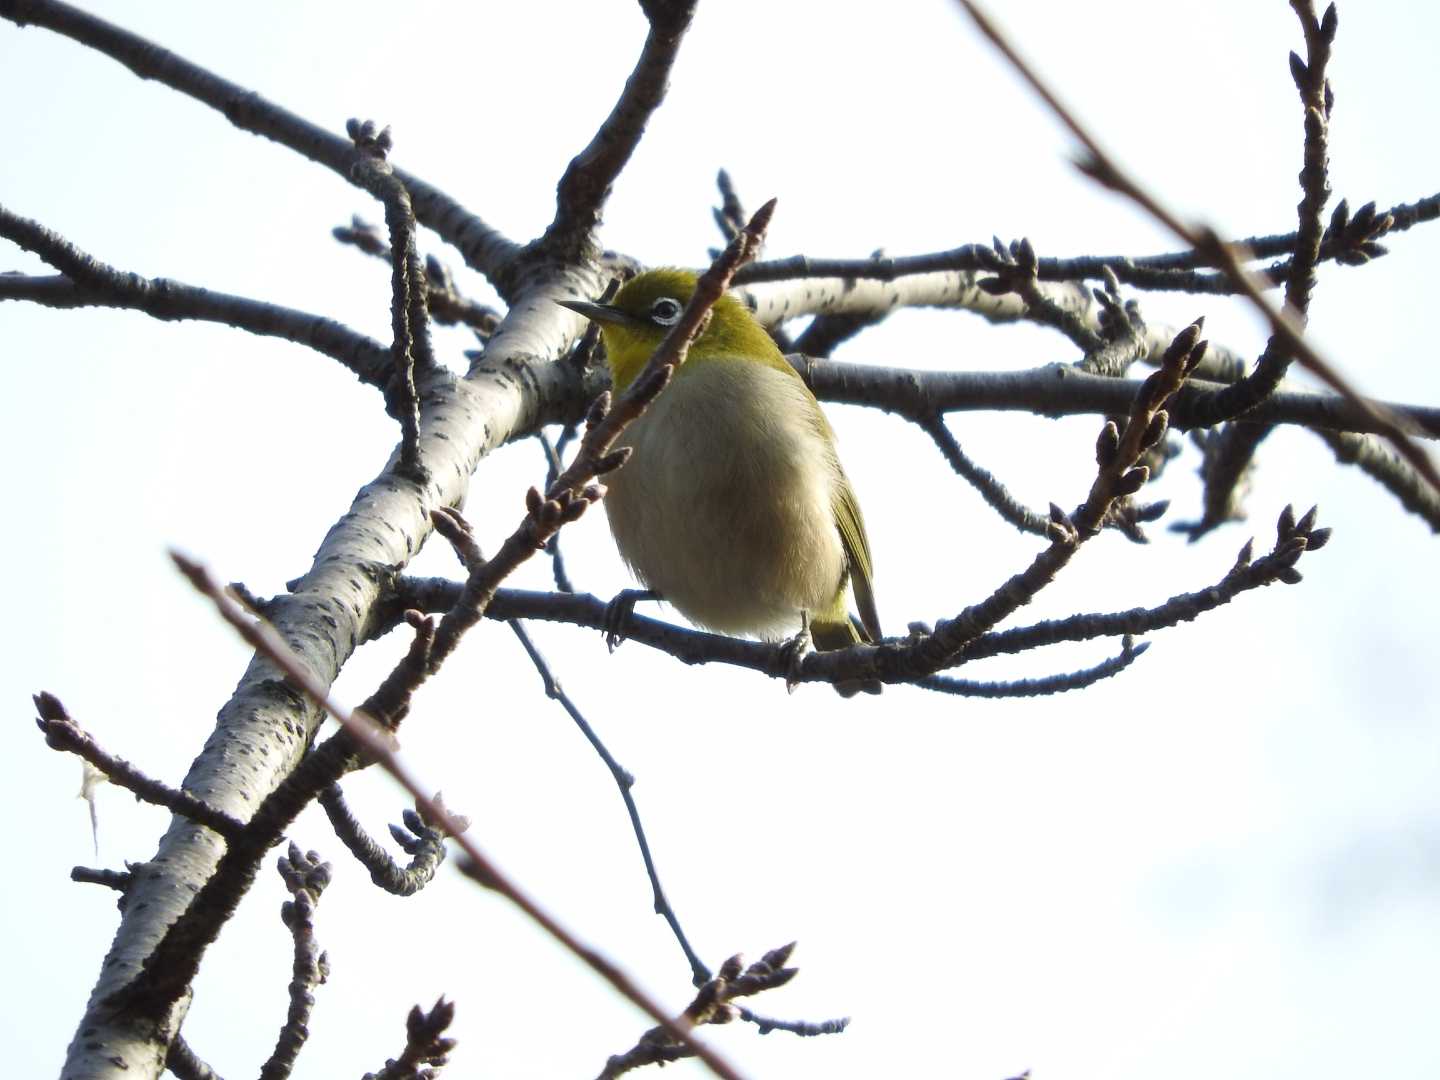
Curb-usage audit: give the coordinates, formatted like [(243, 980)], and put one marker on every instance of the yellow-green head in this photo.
[(648, 305)]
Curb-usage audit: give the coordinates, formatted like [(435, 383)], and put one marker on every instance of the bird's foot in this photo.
[(793, 653), (618, 612)]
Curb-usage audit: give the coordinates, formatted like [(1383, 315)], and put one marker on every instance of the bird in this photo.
[(733, 506)]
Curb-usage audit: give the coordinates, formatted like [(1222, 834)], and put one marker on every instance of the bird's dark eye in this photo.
[(665, 311)]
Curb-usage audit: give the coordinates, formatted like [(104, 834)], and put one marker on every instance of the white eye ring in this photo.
[(666, 311)]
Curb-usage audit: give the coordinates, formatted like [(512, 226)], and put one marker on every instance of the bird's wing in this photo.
[(851, 524)]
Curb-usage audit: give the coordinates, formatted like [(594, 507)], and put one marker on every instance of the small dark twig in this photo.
[(982, 480), (85, 281), (181, 1060), (581, 193), (62, 733), (624, 780), (553, 468), (305, 877), (423, 843), (427, 1047), (1015, 269), (1393, 474), (447, 305), (713, 1004), (807, 1028), (730, 215), (1043, 687), (1228, 457), (114, 879), (1293, 539), (409, 317), (390, 702)]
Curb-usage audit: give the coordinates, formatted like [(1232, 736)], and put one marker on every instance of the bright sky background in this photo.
[(1224, 862)]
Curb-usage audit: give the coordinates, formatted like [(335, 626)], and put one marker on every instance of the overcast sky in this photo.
[(1223, 862)]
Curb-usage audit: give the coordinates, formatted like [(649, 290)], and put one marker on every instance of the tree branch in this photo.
[(87, 282), (483, 248)]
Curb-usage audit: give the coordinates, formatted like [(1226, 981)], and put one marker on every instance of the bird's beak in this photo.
[(600, 313)]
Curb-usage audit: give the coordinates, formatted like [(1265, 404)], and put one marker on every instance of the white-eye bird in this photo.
[(733, 506)]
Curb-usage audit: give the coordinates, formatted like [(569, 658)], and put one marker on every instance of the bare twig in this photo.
[(1394, 475), (305, 877), (553, 468), (1228, 457), (982, 480), (427, 1047), (425, 846), (805, 1028), (624, 780), (186, 1064), (114, 879), (483, 248), (1050, 684), (447, 305), (62, 733), (583, 189), (409, 319), (713, 1004), (87, 282)]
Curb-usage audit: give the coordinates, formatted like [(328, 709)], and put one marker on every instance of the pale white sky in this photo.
[(1224, 862)]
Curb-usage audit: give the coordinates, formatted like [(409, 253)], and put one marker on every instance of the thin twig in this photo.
[(1042, 687), (409, 319), (1228, 457), (982, 480), (62, 733), (427, 1047), (305, 877), (1385, 468), (553, 468), (484, 249), (805, 1028), (624, 780), (447, 305), (181, 1060), (87, 282), (114, 879), (580, 195), (425, 846), (711, 1005)]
